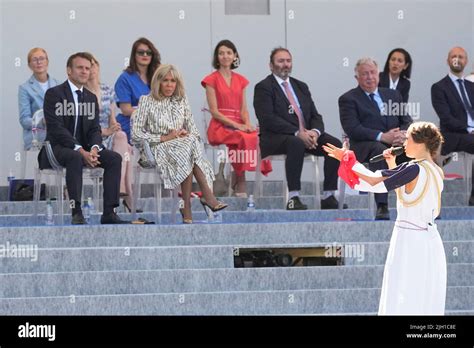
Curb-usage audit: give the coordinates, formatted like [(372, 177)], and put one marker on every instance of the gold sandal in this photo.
[(219, 206)]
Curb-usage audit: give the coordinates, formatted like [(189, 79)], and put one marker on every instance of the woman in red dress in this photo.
[(230, 123)]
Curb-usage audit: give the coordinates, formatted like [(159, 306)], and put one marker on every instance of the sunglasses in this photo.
[(143, 53)]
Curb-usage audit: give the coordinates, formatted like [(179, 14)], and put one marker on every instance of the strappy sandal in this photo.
[(219, 206)]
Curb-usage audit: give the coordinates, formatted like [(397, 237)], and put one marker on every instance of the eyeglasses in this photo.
[(143, 53), (38, 60)]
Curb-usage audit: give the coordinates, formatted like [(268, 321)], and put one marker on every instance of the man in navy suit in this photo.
[(72, 127), (290, 125), (453, 100), (374, 119)]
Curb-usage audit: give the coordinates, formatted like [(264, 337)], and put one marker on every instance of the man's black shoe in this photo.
[(294, 203), (78, 219), (111, 219), (331, 203), (471, 201), (382, 212)]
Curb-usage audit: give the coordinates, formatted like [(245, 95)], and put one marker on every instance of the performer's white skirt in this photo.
[(415, 279)]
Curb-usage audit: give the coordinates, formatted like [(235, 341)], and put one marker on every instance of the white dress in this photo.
[(415, 274), (176, 158)]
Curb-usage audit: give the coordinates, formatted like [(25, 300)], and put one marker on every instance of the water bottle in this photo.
[(49, 213), (86, 211), (91, 205), (250, 204), (10, 179), (10, 176)]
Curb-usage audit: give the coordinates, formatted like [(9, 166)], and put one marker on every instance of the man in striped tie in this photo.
[(291, 125), (453, 100)]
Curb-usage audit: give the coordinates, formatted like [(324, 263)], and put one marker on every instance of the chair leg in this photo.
[(174, 205), (157, 188), (258, 188), (59, 192), (316, 183), (342, 193), (23, 165), (136, 192), (469, 174), (36, 195), (467, 169), (371, 201), (229, 175)]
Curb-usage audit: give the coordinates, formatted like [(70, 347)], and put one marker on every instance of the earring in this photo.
[(236, 62)]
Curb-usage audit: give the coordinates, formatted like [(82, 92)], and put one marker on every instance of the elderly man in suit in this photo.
[(374, 119), (291, 125), (72, 127), (453, 100)]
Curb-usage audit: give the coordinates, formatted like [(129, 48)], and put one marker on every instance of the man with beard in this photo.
[(290, 125), (453, 100)]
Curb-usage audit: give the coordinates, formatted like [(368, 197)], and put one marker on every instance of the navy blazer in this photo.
[(361, 119), (449, 106), (273, 110), (403, 85), (60, 126)]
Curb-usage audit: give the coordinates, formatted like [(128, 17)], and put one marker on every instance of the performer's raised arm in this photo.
[(362, 179)]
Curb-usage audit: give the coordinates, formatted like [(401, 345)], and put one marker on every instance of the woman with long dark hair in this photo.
[(135, 80), (397, 71)]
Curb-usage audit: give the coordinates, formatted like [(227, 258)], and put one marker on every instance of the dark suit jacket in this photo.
[(60, 119), (361, 119), (451, 112), (272, 109), (60, 128), (403, 85)]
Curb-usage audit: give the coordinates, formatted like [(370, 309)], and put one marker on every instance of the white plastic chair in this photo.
[(57, 171), (151, 167), (38, 131), (206, 114), (258, 189), (467, 174)]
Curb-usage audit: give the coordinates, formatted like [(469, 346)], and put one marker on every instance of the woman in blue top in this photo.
[(135, 80), (31, 93)]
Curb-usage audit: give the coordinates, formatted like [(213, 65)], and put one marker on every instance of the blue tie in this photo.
[(465, 100), (384, 119)]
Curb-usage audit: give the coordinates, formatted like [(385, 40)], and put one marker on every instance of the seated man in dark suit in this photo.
[(453, 100), (367, 118), (291, 125), (72, 121)]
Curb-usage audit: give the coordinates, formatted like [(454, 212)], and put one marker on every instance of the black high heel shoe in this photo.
[(185, 221), (219, 206), (124, 202)]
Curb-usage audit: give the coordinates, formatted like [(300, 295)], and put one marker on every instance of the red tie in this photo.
[(294, 105)]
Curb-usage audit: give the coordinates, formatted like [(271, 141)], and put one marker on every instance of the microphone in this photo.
[(395, 152)]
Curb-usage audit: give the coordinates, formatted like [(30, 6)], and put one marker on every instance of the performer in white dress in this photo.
[(415, 275)]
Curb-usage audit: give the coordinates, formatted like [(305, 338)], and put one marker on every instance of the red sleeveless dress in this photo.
[(242, 146)]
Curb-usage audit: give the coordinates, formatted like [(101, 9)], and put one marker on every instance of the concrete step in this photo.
[(205, 280), (258, 216), (455, 199), (341, 301), (220, 234), (120, 258), (189, 257)]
